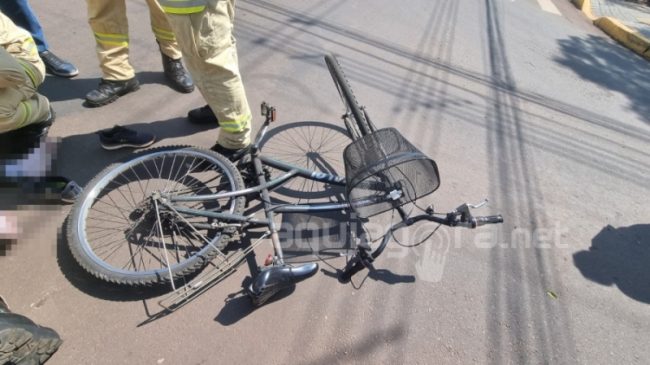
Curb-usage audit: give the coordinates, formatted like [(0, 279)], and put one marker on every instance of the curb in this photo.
[(585, 7), (617, 30)]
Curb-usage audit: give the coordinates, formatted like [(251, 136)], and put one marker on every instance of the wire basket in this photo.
[(384, 171)]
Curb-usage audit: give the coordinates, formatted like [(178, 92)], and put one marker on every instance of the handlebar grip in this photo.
[(490, 219), (353, 266)]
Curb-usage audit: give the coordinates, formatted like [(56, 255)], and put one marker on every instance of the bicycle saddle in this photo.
[(276, 278)]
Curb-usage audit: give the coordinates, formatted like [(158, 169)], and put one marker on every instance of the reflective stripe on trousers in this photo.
[(22, 71), (183, 6), (109, 23), (211, 57)]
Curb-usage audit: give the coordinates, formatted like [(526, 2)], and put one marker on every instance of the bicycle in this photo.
[(191, 202)]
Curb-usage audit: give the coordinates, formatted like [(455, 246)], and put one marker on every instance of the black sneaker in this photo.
[(57, 66), (108, 91), (58, 188), (232, 155), (120, 137), (202, 115), (47, 189)]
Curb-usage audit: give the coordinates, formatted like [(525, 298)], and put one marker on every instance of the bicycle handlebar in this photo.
[(362, 258), (475, 222), (490, 219)]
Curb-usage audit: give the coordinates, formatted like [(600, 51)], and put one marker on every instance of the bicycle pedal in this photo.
[(268, 112)]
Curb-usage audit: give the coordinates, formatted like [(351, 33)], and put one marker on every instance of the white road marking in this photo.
[(548, 6)]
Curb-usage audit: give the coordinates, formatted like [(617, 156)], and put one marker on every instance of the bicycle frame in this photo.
[(263, 188)]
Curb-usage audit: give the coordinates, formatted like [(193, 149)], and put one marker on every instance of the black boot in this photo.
[(177, 74), (40, 129), (232, 155), (23, 341), (109, 91), (203, 115)]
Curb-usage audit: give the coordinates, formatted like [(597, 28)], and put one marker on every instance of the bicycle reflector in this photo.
[(384, 170)]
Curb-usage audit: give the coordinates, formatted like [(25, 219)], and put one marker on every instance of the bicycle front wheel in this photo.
[(120, 232), (350, 101), (315, 146)]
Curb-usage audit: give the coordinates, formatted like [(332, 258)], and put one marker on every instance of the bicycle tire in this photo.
[(89, 248), (348, 97)]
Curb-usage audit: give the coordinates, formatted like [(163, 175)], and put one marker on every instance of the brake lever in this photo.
[(479, 205), (464, 210)]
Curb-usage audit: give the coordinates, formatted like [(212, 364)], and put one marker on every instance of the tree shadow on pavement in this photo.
[(621, 257), (611, 66)]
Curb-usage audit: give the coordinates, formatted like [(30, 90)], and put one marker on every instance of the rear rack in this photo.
[(218, 269)]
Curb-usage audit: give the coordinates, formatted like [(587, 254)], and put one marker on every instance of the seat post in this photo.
[(275, 237)]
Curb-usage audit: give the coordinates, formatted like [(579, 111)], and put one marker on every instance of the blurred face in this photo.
[(8, 225)]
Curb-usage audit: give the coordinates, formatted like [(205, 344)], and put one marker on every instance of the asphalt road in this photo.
[(520, 101)]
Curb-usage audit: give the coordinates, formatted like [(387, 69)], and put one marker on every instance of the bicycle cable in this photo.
[(415, 244)]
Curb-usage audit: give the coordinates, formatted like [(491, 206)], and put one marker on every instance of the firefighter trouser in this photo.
[(108, 21), (21, 72), (210, 55)]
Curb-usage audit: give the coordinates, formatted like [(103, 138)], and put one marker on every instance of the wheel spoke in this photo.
[(315, 146)]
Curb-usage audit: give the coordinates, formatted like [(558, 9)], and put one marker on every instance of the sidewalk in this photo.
[(627, 21), (633, 14)]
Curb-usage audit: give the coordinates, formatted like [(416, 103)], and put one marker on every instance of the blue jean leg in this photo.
[(22, 14)]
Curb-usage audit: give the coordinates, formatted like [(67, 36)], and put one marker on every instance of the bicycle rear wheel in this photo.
[(350, 101), (121, 233)]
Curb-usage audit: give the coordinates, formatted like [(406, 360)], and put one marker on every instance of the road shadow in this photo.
[(384, 275), (238, 306), (62, 89), (598, 60), (321, 236), (621, 257), (81, 156)]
